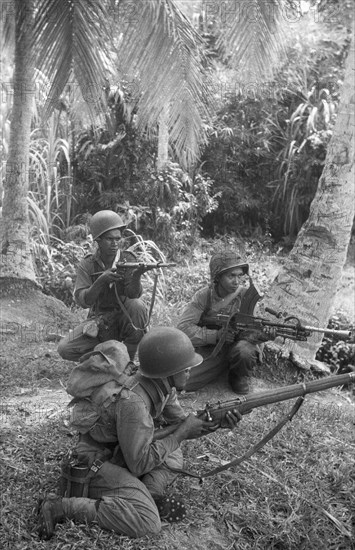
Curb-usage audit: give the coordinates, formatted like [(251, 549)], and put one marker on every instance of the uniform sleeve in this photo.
[(83, 282), (173, 411), (135, 431), (132, 286), (190, 317)]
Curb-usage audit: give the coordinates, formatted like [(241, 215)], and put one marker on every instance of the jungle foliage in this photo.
[(257, 176), (268, 144)]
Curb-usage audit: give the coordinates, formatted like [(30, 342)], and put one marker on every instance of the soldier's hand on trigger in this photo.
[(228, 335), (138, 271), (194, 427), (233, 417), (109, 276)]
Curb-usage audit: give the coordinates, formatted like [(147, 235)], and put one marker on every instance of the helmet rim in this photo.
[(166, 351), (103, 221), (223, 261), (243, 265)]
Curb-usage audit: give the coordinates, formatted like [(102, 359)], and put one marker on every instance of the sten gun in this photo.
[(137, 265), (216, 412), (142, 265)]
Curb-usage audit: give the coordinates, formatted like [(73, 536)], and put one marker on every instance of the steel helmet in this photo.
[(225, 260), (103, 221), (165, 351)]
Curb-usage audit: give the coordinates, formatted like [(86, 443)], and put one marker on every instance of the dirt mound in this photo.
[(23, 307), (31, 324)]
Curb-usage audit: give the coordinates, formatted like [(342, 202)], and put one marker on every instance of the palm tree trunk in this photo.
[(163, 139), (15, 252), (307, 283)]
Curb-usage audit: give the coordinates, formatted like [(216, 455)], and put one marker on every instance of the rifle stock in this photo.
[(217, 411)]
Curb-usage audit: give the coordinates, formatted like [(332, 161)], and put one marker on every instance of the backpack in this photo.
[(96, 382)]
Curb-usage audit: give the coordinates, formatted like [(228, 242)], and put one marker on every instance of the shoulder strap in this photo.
[(157, 389), (208, 303)]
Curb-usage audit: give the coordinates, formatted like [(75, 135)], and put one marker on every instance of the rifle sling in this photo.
[(251, 451), (124, 309), (260, 444)]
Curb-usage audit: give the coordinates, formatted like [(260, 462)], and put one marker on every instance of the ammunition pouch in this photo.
[(75, 478)]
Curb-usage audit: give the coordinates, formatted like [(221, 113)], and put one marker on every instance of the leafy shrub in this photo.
[(171, 208), (339, 355), (55, 266)]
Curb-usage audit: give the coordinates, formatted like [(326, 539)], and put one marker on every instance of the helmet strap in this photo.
[(171, 382)]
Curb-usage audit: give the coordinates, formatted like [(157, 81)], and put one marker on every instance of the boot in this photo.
[(54, 509), (50, 513), (171, 508), (238, 383)]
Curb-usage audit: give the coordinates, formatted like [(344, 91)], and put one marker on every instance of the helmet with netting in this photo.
[(223, 261)]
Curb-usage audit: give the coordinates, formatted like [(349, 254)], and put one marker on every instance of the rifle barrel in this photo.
[(268, 397), (295, 390)]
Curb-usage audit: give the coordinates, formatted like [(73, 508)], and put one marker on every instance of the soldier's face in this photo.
[(109, 242), (181, 378), (229, 281)]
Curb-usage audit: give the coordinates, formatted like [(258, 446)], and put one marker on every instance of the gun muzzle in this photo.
[(343, 334)]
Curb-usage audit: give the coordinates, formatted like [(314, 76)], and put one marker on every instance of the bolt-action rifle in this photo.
[(216, 412)]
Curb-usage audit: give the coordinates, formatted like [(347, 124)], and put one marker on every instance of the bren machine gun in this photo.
[(291, 327), (245, 320), (216, 412)]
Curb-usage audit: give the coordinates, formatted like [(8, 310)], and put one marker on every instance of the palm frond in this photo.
[(72, 36), (7, 24), (253, 38), (162, 54)]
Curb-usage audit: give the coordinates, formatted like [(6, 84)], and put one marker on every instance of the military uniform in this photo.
[(237, 357), (138, 470), (131, 460), (106, 320)]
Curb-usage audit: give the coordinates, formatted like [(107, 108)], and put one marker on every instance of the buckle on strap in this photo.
[(96, 465)]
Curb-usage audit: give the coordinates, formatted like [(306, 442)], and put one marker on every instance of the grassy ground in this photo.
[(297, 493)]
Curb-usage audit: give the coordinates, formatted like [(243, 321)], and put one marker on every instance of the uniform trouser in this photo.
[(76, 343), (118, 501), (238, 359), (126, 503)]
